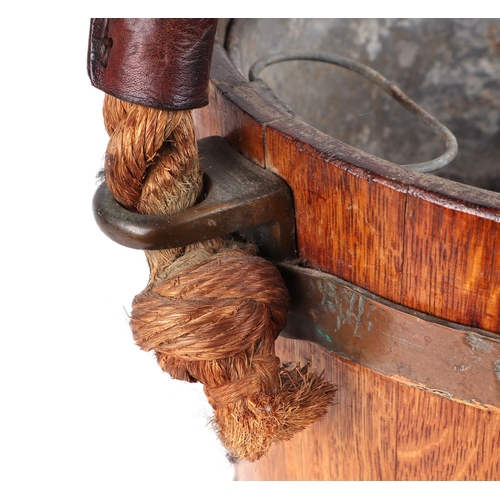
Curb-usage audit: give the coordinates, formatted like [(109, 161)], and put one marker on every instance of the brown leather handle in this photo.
[(160, 63)]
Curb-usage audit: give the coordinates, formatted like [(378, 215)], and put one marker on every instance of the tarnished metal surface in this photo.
[(451, 67), (239, 197), (436, 356)]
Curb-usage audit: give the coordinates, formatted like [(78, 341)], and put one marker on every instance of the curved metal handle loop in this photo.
[(388, 87)]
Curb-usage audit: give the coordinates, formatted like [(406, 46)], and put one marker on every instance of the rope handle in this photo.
[(211, 310)]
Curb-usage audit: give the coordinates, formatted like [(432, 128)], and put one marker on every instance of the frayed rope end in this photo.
[(250, 426)]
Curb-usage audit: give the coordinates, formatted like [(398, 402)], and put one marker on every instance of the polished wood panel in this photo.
[(355, 441), (363, 218), (426, 243), (441, 439), (341, 211), (382, 429), (452, 266)]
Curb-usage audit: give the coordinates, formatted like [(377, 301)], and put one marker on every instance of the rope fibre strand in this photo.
[(211, 311)]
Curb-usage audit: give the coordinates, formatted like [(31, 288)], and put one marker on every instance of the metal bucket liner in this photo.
[(450, 67)]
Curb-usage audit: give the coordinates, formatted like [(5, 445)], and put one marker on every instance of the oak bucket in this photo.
[(397, 296)]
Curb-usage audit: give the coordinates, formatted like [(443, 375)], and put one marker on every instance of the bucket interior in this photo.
[(449, 67)]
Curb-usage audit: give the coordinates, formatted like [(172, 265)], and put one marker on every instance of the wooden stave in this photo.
[(395, 262), (429, 436)]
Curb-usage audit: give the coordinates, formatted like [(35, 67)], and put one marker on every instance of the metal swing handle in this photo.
[(387, 86), (238, 197)]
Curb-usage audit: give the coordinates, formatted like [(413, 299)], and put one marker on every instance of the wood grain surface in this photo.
[(381, 429), (452, 263), (419, 241), (441, 439)]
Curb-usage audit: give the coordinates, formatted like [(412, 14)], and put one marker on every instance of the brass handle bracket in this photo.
[(240, 199)]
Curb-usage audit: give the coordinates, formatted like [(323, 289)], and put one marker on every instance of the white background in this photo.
[(84, 412)]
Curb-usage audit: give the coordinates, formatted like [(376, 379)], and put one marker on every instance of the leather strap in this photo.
[(160, 63)]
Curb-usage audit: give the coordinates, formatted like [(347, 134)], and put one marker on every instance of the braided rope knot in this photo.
[(264, 379), (206, 314), (211, 311), (209, 325)]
